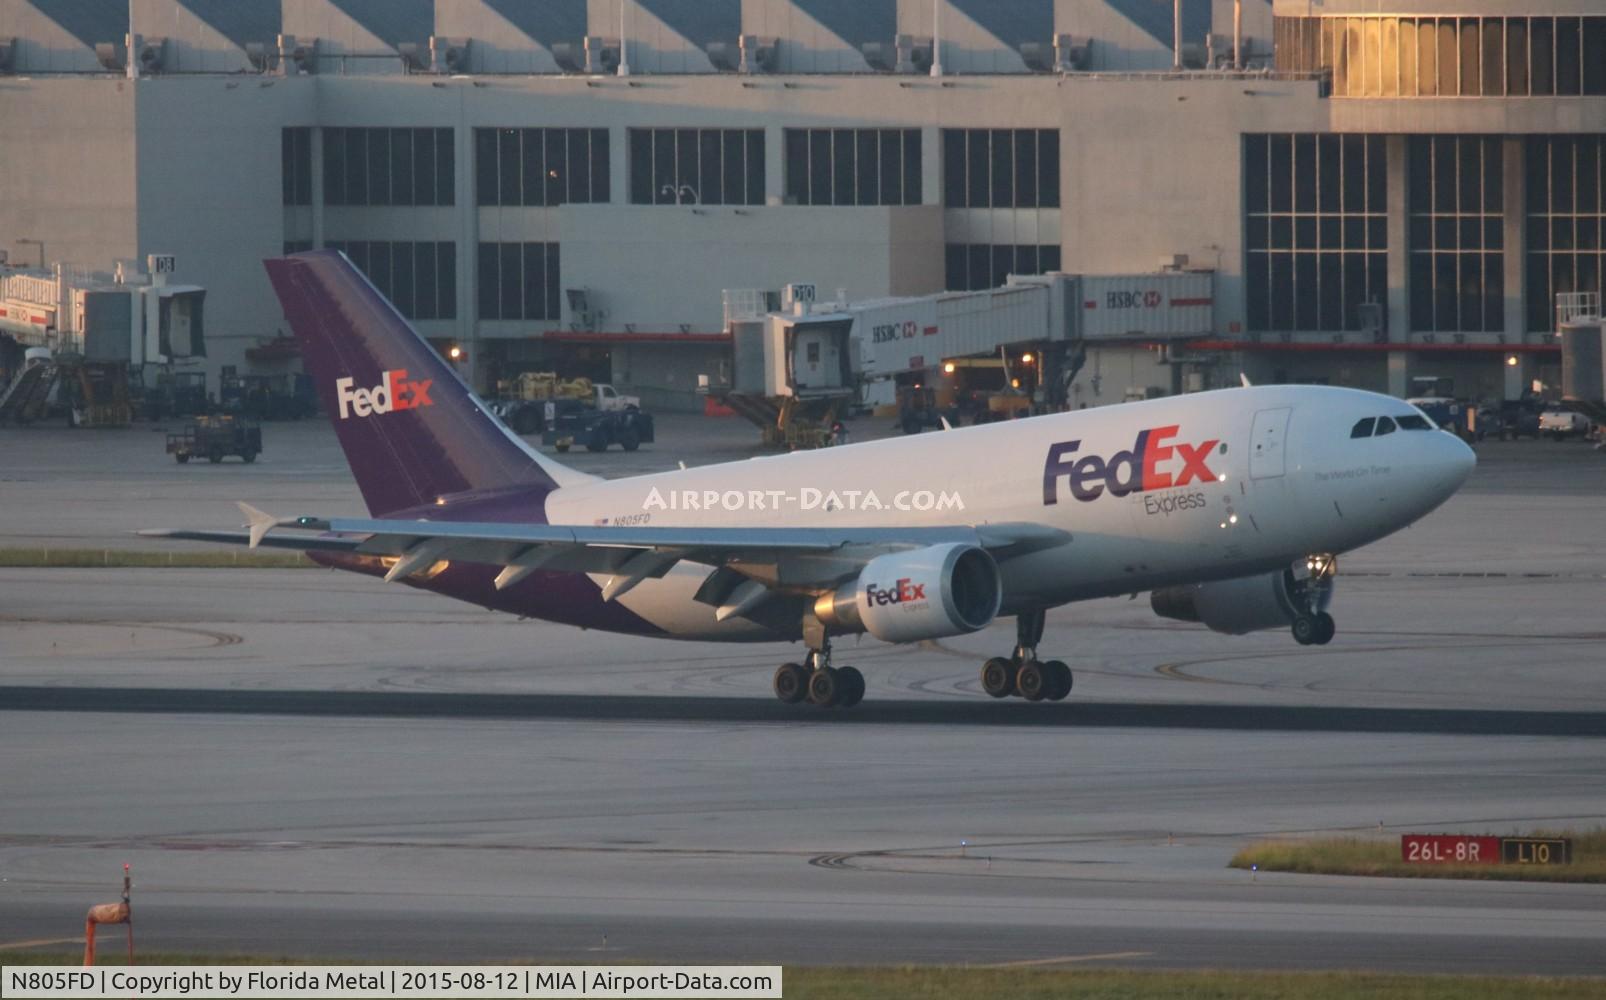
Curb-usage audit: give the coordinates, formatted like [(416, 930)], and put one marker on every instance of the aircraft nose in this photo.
[(1451, 462), (1461, 459)]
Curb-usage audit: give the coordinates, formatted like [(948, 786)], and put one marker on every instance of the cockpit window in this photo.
[(1384, 426), (1363, 428), (1413, 422)]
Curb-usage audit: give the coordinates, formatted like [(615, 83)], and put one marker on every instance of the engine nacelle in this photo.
[(1248, 604), (925, 593)]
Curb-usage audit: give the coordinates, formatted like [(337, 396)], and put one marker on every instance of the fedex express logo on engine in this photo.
[(394, 392), (902, 591), (1151, 464)]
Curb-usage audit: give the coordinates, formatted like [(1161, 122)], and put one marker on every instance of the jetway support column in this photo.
[(1398, 305)]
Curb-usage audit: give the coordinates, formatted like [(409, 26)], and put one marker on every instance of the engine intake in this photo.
[(927, 593), (1247, 604)]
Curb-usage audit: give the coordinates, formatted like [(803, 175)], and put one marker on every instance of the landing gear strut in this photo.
[(1022, 673), (1313, 626), (819, 683)]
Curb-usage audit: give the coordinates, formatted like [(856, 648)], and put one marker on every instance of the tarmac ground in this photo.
[(308, 764)]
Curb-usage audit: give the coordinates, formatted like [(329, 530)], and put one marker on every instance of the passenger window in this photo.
[(1384, 426), (1363, 428), (1413, 422)]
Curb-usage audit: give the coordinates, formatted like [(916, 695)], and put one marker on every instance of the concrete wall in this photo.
[(209, 183), (660, 267), (68, 163)]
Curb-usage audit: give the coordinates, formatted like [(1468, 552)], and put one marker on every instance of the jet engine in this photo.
[(1250, 603), (924, 593)]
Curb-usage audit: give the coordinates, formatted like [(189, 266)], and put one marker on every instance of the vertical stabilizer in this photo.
[(412, 430)]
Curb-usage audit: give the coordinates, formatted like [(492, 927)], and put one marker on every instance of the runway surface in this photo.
[(307, 764)]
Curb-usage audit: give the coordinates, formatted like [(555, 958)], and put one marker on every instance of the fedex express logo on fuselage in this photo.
[(394, 392), (1151, 464), (902, 591)]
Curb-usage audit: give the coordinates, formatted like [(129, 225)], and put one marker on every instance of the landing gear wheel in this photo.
[(791, 683), (850, 687), (1031, 681), (1059, 672), (1326, 628), (998, 677), (823, 687), (1305, 630)]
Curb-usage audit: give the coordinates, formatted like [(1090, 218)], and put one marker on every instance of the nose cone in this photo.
[(1460, 460), (1448, 465)]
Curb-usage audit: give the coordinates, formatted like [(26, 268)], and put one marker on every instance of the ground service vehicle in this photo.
[(216, 437)]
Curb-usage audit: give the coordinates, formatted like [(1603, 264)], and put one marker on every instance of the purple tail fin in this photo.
[(411, 429)]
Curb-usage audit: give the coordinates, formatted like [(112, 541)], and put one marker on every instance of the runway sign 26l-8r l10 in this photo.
[(1457, 849)]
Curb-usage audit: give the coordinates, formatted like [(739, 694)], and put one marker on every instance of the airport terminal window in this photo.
[(1315, 230), (847, 166), (420, 279), (1565, 190), (1455, 213), (974, 266), (1001, 168), (696, 166), (296, 148), (388, 166), (540, 167), (1375, 56), (519, 281)]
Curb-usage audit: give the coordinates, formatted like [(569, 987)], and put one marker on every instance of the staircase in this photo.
[(25, 400)]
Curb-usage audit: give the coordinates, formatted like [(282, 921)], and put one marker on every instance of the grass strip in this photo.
[(1381, 857), (961, 982), (78, 558)]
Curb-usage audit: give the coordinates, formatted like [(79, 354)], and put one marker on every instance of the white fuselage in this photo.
[(1225, 484)]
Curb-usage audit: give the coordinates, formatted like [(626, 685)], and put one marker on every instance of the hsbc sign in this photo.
[(1149, 298)]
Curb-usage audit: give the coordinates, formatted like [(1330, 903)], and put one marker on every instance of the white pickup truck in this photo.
[(1560, 423), (609, 399)]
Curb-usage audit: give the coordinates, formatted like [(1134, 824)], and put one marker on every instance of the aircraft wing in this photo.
[(797, 560)]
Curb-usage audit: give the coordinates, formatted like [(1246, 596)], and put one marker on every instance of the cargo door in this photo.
[(1268, 443)]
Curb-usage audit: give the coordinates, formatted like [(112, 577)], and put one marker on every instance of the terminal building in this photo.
[(574, 184)]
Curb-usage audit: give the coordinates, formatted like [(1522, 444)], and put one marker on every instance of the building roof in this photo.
[(699, 21), (239, 22), (391, 21), (1154, 17), (548, 22), (1012, 21), (855, 21), (89, 21)]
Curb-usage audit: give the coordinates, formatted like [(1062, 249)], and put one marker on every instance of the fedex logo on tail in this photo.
[(394, 392), (1151, 464)]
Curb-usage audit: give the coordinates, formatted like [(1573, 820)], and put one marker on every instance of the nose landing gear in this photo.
[(1311, 592), (1314, 630), (1022, 673)]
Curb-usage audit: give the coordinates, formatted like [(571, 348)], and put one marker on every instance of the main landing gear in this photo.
[(1022, 672), (819, 683)]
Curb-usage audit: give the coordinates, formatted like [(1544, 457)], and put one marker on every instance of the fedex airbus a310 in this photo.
[(1229, 507)]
